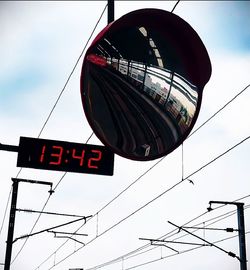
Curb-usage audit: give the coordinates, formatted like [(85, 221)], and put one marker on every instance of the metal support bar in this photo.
[(174, 242), (71, 238), (47, 213), (211, 244), (7, 147), (51, 228), (161, 241), (78, 234), (36, 182), (212, 229), (33, 181), (13, 208)]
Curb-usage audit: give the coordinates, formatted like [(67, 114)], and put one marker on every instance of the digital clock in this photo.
[(65, 156)]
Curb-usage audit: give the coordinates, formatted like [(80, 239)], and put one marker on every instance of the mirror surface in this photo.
[(142, 83)]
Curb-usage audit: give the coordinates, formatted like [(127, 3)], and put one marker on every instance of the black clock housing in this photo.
[(65, 156)]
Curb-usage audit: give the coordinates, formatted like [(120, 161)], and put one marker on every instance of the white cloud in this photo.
[(50, 36)]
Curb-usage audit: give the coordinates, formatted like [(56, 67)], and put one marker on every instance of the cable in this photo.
[(163, 157), (223, 107), (204, 123), (41, 212), (47, 119), (129, 254), (174, 232), (160, 160), (124, 256), (219, 156), (170, 234), (64, 87), (22, 247), (181, 252), (145, 205), (144, 172), (64, 175), (5, 211)]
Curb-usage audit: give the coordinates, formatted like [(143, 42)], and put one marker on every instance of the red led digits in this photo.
[(80, 157), (94, 159), (42, 155), (58, 155), (65, 156)]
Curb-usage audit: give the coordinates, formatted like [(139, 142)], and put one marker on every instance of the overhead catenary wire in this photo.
[(129, 255), (171, 234), (148, 203), (189, 136), (218, 111), (145, 173), (174, 232), (180, 252), (5, 211), (46, 121), (209, 119), (161, 159)]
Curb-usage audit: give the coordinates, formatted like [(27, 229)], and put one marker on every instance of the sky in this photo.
[(40, 44)]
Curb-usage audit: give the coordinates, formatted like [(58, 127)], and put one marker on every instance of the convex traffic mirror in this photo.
[(142, 81)]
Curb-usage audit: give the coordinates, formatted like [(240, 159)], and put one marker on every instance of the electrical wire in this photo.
[(125, 257), (67, 81), (129, 254), (148, 203), (218, 111), (186, 178), (5, 211), (46, 121), (33, 227), (181, 252), (162, 158), (171, 234), (175, 231)]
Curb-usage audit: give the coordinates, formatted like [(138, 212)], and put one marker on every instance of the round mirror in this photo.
[(142, 81)]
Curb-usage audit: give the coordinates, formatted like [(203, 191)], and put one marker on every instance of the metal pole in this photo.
[(111, 11), (242, 240), (7, 147), (11, 224), (241, 228)]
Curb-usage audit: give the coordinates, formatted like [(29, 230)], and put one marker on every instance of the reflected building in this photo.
[(141, 85), (170, 91)]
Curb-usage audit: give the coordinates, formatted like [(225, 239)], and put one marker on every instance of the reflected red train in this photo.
[(98, 60)]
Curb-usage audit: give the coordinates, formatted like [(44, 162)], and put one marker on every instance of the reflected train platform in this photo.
[(142, 83)]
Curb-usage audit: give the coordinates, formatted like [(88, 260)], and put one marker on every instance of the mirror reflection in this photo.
[(138, 91)]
